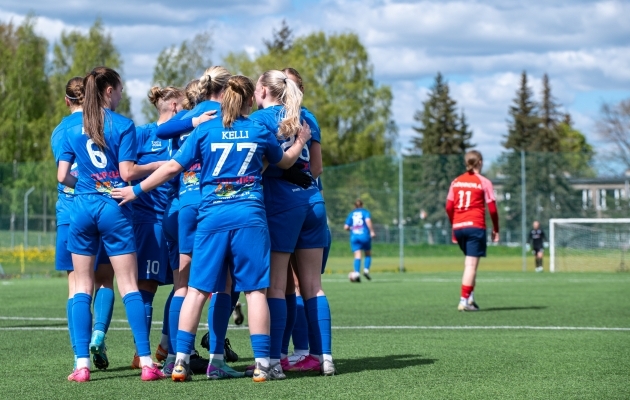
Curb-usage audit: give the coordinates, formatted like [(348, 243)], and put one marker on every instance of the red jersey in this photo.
[(467, 199)]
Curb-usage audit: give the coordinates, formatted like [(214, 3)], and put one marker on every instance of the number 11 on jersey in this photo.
[(461, 195)]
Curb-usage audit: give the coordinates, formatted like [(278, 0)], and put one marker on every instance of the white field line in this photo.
[(488, 280), (359, 327)]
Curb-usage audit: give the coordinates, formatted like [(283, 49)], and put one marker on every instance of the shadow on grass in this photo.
[(35, 326), (513, 308), (397, 361)]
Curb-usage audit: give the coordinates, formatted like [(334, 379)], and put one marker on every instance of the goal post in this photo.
[(588, 244)]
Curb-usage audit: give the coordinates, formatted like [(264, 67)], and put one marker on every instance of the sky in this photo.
[(481, 47)]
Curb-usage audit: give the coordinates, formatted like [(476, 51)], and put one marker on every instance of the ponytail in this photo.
[(213, 81), (95, 84), (238, 90), (286, 92), (158, 96), (192, 94)]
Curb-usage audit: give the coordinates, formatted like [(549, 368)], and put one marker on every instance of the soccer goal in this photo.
[(589, 244)]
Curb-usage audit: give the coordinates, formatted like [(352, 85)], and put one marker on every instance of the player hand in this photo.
[(304, 135), (495, 237), (207, 116), (125, 194), (372, 234)]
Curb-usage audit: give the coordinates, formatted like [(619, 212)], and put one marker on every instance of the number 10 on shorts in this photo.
[(153, 267)]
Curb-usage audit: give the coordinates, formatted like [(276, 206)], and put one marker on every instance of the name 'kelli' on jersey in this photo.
[(233, 135)]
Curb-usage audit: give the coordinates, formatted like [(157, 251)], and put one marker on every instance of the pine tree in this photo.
[(282, 39), (525, 124), (443, 138), (548, 138)]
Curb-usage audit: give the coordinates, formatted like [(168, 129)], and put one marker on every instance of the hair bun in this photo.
[(234, 85)]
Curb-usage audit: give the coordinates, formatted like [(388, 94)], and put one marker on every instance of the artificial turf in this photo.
[(398, 336)]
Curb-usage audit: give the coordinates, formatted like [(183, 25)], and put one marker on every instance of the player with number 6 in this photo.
[(466, 208)]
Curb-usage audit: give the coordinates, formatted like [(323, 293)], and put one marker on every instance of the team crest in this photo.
[(190, 178)]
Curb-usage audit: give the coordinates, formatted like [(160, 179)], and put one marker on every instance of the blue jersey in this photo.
[(356, 222), (149, 207), (65, 194), (278, 191), (98, 168), (230, 179), (190, 179)]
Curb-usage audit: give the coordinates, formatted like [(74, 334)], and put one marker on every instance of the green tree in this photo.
[(578, 153), (443, 138), (548, 138), (524, 125), (24, 102), (353, 111), (75, 54), (177, 65), (282, 39)]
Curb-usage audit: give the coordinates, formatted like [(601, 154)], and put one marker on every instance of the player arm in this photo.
[(130, 171), (450, 204), (316, 164), (63, 174), (163, 174), (368, 222), (290, 156)]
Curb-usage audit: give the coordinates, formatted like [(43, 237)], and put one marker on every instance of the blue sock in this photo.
[(234, 296), (103, 309), (291, 315), (260, 345), (136, 315), (357, 265), (368, 262), (82, 323), (185, 342), (218, 320), (278, 316), (173, 323), (318, 314), (147, 299), (167, 307), (300, 329), (70, 326)]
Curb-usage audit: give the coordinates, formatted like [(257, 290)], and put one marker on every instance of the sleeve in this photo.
[(451, 195), (494, 215), (174, 127), (543, 236), (128, 150), (67, 154), (316, 133), (190, 150), (488, 191), (273, 151), (318, 181), (367, 215)]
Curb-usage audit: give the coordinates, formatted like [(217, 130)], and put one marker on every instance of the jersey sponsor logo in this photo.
[(190, 178), (469, 185), (156, 145), (228, 190), (231, 135), (460, 224), (104, 187)]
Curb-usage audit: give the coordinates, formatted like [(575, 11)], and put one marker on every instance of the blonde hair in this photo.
[(238, 90), (158, 96), (212, 82), (286, 92), (473, 160), (192, 95)]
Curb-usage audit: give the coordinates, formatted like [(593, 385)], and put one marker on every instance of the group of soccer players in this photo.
[(212, 198)]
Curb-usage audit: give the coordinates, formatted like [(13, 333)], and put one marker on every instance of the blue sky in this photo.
[(481, 47)]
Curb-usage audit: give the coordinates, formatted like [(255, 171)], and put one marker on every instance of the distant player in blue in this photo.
[(103, 145), (359, 223), (148, 212), (232, 237), (296, 217), (209, 92)]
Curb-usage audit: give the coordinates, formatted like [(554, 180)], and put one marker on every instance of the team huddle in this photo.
[(221, 201)]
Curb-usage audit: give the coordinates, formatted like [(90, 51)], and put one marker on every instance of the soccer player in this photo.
[(360, 238), (537, 236), (232, 236), (103, 144), (279, 109), (466, 208), (148, 211)]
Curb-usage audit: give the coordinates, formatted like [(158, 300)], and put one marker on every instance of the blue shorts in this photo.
[(302, 227), (326, 249), (244, 252), (152, 252), (187, 221), (95, 219), (169, 230), (472, 241), (360, 243), (63, 257)]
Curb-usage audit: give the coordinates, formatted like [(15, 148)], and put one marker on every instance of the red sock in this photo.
[(466, 291)]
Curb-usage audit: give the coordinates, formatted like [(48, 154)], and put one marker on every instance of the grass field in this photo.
[(541, 336)]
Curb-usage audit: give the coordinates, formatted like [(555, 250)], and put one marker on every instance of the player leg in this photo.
[(63, 262), (367, 247), (103, 307), (82, 314), (180, 285), (291, 301), (472, 241), (539, 260)]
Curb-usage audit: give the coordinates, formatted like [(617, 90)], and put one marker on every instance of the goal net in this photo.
[(589, 244)]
